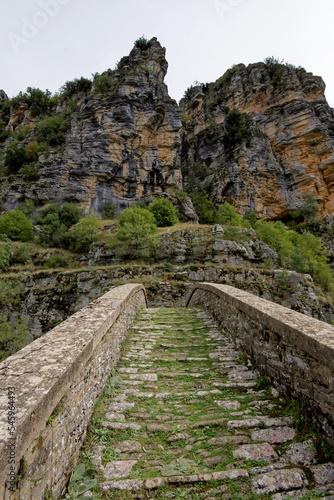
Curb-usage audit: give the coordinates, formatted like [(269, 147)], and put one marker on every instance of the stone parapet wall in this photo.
[(295, 350), (57, 379)]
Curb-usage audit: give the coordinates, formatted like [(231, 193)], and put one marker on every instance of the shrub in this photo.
[(136, 228), (164, 212), (304, 253), (84, 234), (15, 158), (4, 134), (109, 210), (30, 171), (54, 233), (237, 128), (227, 215), (19, 254), (142, 43), (70, 214), (75, 86), (13, 335), (27, 207), (274, 66), (16, 226), (250, 217), (276, 235), (4, 258), (52, 130), (204, 207), (54, 261), (104, 83)]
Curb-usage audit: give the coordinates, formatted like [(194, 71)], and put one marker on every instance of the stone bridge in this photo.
[(50, 387)]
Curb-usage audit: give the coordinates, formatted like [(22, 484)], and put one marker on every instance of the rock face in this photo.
[(260, 137), (123, 146), (281, 148)]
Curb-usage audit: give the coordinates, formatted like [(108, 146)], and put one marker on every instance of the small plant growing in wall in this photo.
[(81, 481)]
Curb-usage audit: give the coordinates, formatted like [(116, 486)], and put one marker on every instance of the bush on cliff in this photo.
[(83, 234), (164, 212), (16, 226), (227, 215), (303, 253)]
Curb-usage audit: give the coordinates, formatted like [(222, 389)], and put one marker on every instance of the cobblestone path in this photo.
[(184, 418)]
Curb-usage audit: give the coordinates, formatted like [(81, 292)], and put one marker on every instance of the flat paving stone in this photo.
[(324, 473), (128, 446), (121, 426), (303, 454), (118, 469), (256, 452), (279, 480), (277, 435)]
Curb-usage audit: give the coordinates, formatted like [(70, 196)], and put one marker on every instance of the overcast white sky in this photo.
[(46, 42)]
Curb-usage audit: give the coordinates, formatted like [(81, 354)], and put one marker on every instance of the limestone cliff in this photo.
[(260, 137), (122, 146), (265, 135)]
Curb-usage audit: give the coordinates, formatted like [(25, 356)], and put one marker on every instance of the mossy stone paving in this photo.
[(184, 417)]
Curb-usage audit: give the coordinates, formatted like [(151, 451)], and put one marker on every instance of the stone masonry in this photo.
[(184, 417), (57, 380), (293, 349)]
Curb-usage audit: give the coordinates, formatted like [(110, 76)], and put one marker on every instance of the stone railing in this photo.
[(48, 392), (295, 350)]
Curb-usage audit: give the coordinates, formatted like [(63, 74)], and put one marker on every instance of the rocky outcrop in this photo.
[(260, 137), (277, 148), (122, 146)]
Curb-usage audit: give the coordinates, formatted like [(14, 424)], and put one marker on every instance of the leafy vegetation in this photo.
[(76, 86), (4, 258), (164, 212), (137, 226), (142, 43), (83, 234), (204, 207), (227, 215), (274, 66), (303, 253), (237, 129), (81, 481), (16, 226), (104, 83), (109, 210), (14, 335), (52, 129)]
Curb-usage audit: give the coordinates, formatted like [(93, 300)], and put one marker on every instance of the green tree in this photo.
[(52, 130), (70, 214), (227, 215), (135, 230), (16, 226), (164, 212), (83, 234), (108, 210)]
